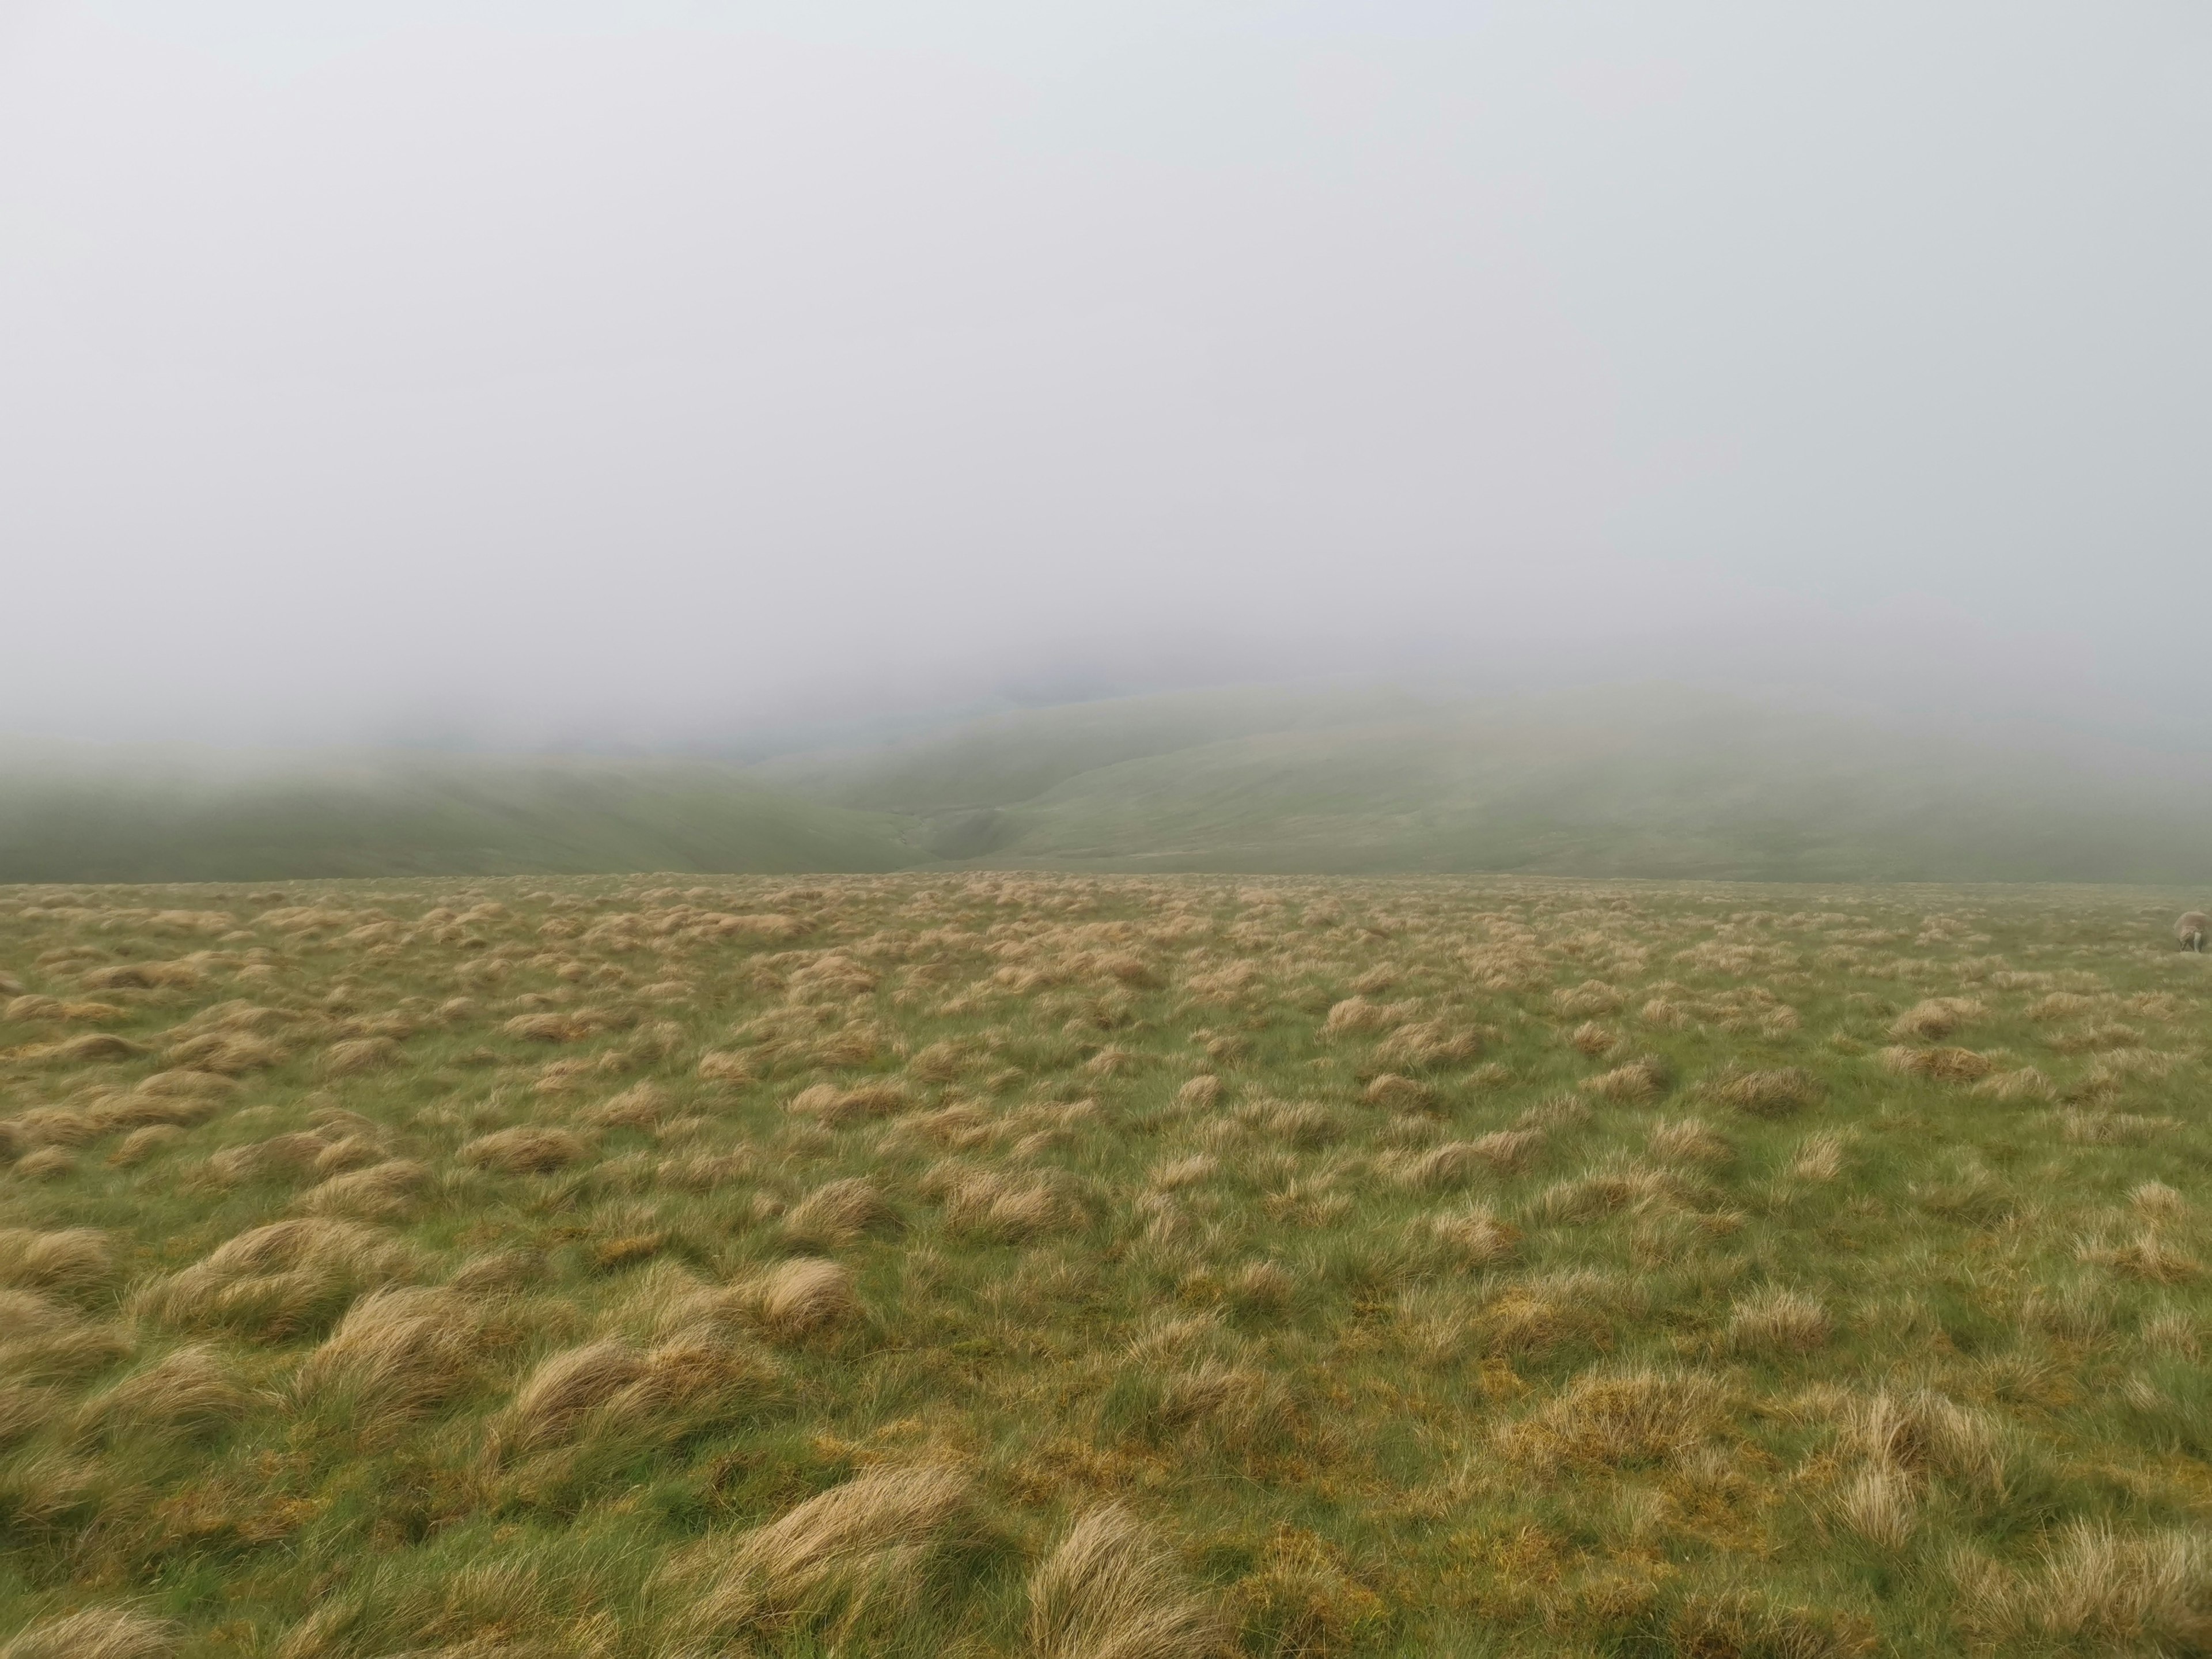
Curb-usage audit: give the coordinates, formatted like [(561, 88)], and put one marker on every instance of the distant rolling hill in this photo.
[(68, 814), (1649, 781), (1643, 780)]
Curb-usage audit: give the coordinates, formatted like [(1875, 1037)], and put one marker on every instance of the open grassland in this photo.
[(1100, 1268)]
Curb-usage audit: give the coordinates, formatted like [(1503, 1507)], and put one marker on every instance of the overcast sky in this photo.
[(553, 367)]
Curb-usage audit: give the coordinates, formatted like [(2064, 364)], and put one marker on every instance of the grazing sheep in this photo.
[(2191, 930)]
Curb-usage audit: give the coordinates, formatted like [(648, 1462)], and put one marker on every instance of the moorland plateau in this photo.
[(1068, 1266)]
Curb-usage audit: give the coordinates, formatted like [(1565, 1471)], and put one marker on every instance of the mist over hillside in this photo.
[(1649, 781)]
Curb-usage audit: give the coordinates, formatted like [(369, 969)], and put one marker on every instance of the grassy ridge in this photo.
[(177, 819), (1650, 781), (1064, 1266)]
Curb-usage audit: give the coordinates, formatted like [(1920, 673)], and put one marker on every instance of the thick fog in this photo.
[(552, 371)]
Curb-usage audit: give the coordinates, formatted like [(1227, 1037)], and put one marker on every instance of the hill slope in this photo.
[(1646, 781), (177, 816), (1637, 781)]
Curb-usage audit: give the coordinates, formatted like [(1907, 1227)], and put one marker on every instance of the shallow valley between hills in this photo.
[(996, 1263)]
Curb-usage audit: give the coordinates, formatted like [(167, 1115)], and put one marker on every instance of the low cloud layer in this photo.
[(663, 371)]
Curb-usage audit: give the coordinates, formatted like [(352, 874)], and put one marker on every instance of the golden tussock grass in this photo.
[(608, 1392), (1939, 1065), (1001, 1206), (1617, 1419), (1138, 1191), (839, 1212), (526, 1149), (1475, 1236), (1690, 1141), (1775, 1091), (1935, 1017), (43, 1340), (397, 1352), (190, 1391), (867, 1546), (70, 1261), (96, 1634), (804, 1297), (831, 1104), (1108, 1590), (1639, 1083), (380, 1192), (277, 1280), (358, 1054), (2096, 1589), (1778, 1322)]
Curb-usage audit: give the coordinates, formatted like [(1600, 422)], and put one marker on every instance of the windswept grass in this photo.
[(1100, 1269)]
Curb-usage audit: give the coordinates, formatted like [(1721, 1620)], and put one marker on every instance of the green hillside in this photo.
[(1652, 781), (1644, 781), (177, 816)]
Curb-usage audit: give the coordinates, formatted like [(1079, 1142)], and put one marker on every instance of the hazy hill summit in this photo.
[(1649, 781), (69, 813), (1652, 781)]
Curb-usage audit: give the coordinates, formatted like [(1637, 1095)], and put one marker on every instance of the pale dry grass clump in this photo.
[(2097, 1589), (1690, 1141), (1775, 1091), (96, 1634), (1881, 1505), (357, 1054), (2098, 1128), (1455, 1163), (607, 1391), (1616, 1186), (43, 1341), (1389, 1089), (379, 1192), (228, 1053), (70, 1261), (1475, 1236), (1639, 1083), (1108, 1590), (1002, 1206), (1592, 996), (1427, 1045), (1199, 1091), (2147, 1256), (2158, 1201), (2025, 1083), (1923, 1433), (643, 1105), (1616, 1419), (839, 1212), (397, 1352), (1357, 1017), (1937, 1065), (526, 1149), (723, 1065), (829, 1103), (276, 1280), (190, 1391), (1936, 1018), (803, 1297), (869, 1544), (280, 1156), (1778, 1320), (1191, 1171)]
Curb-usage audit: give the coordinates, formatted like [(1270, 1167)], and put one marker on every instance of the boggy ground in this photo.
[(1007, 1264)]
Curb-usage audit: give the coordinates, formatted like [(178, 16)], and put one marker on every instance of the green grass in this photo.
[(1648, 781), (180, 814), (1018, 1264)]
